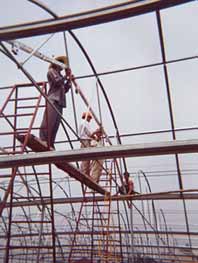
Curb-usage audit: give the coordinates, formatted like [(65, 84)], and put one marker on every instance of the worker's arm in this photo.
[(88, 133), (55, 78), (68, 77), (67, 86), (97, 134), (131, 187)]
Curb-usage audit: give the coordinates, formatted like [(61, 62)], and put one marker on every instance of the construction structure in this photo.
[(49, 210)]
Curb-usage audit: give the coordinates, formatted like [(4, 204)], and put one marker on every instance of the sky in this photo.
[(139, 97)]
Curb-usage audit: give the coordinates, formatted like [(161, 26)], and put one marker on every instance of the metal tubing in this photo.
[(172, 195), (96, 153), (158, 17), (111, 13)]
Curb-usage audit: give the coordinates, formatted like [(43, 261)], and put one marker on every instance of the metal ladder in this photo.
[(24, 107), (96, 236)]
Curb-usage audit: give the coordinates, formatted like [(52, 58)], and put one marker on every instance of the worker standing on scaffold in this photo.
[(97, 165), (86, 135), (58, 86)]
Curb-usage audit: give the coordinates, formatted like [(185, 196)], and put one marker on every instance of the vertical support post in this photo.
[(132, 233), (52, 214), (6, 260), (92, 228), (161, 39), (40, 234), (72, 91)]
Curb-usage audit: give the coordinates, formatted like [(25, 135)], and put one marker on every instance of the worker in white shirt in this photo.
[(86, 135), (97, 165)]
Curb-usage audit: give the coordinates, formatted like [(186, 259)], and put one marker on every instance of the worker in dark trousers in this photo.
[(58, 86)]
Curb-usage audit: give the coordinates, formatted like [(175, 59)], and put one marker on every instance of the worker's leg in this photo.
[(85, 165), (50, 124), (122, 190), (56, 120), (43, 134), (96, 169)]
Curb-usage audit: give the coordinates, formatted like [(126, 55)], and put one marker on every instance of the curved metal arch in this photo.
[(43, 6), (157, 236), (26, 216), (29, 226), (38, 3), (65, 193), (152, 202), (83, 51)]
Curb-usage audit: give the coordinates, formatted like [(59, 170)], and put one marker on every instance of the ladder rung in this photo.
[(107, 186), (25, 130), (16, 115), (106, 226), (30, 98), (114, 240), (32, 198), (102, 219), (29, 222), (30, 107), (101, 226), (81, 248), (111, 213), (85, 219), (30, 247), (88, 205)]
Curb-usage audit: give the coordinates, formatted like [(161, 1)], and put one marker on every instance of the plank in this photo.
[(97, 153), (81, 177), (33, 142), (172, 195), (37, 145), (85, 19)]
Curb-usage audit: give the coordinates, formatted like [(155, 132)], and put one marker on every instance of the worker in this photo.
[(97, 165), (128, 187), (58, 86), (86, 135)]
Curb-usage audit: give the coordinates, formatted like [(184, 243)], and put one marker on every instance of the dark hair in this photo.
[(126, 174)]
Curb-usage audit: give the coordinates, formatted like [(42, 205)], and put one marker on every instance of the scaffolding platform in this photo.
[(33, 142), (37, 145)]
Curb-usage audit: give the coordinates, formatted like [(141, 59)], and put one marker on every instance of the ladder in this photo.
[(96, 236), (21, 120), (108, 242)]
